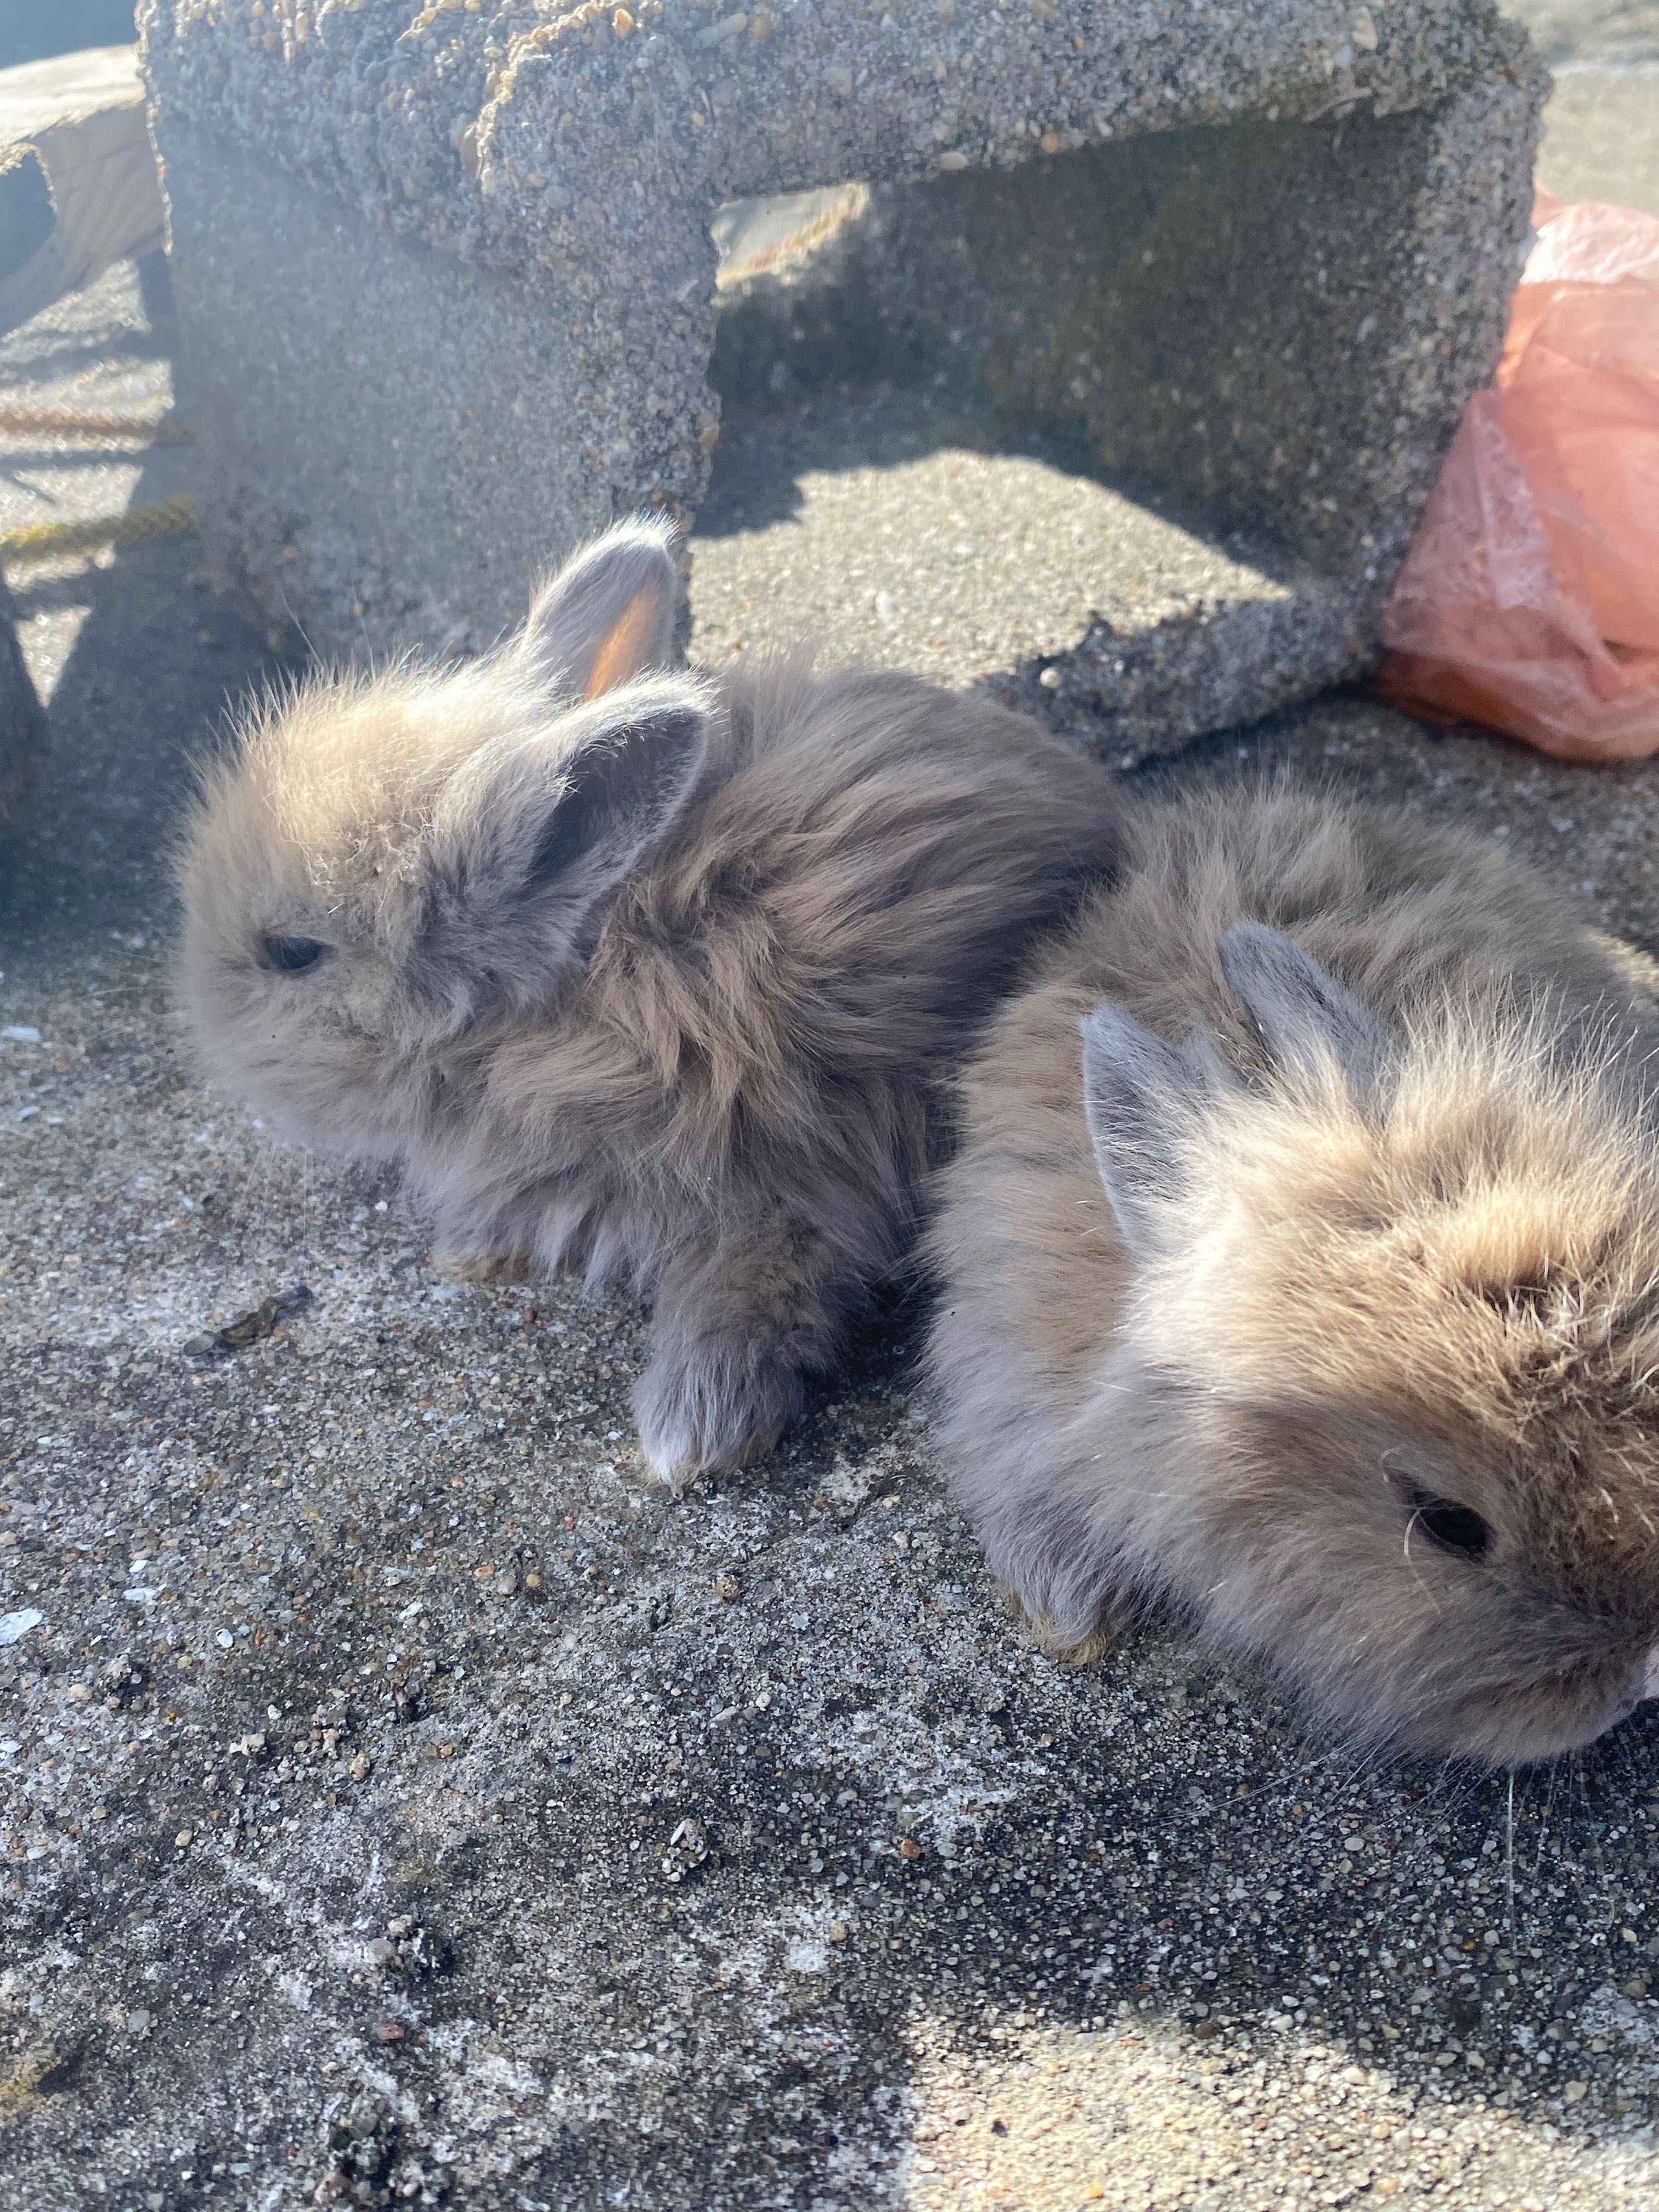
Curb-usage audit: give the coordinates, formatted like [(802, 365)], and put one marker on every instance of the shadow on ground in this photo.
[(918, 528)]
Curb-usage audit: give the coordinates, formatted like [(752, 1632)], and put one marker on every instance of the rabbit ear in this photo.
[(1297, 1008), (1137, 1092), (532, 832), (607, 616)]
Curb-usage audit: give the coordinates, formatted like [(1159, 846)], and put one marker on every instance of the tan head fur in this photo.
[(385, 862)]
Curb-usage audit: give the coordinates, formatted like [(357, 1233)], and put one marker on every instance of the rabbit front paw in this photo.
[(1056, 1640), (713, 1403)]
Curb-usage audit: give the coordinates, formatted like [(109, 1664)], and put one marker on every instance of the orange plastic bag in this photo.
[(1530, 600)]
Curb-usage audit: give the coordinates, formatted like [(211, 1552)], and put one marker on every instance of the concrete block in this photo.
[(448, 296)]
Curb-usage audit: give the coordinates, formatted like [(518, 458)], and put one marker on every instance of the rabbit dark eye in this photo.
[(1455, 1528), (293, 955)]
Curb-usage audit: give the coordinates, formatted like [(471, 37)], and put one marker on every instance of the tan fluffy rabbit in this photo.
[(644, 974), (1301, 1272)]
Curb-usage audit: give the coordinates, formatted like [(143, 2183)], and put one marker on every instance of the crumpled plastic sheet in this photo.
[(1529, 600)]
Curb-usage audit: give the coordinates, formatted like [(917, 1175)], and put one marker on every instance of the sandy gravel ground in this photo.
[(1601, 130)]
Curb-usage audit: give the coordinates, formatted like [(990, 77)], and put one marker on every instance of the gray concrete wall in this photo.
[(1333, 207), (395, 441)]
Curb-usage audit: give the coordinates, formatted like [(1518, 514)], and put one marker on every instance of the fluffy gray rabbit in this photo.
[(649, 975), (1300, 1273)]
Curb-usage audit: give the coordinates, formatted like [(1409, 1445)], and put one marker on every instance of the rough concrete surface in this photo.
[(1577, 31), (405, 1802), (1603, 142), (448, 289), (1602, 127), (848, 513), (816, 517), (441, 120), (1260, 326)]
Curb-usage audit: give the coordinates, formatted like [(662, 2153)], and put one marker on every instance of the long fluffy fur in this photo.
[(1351, 1294), (717, 1074)]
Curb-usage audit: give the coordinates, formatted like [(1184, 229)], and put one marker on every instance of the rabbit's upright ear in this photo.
[(1138, 1095), (1298, 1009), (607, 616), (533, 833)]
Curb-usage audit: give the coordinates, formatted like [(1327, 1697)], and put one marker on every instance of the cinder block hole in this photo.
[(965, 418)]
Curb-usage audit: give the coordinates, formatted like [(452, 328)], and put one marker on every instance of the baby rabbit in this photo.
[(653, 976), (1300, 1271)]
